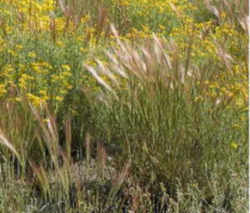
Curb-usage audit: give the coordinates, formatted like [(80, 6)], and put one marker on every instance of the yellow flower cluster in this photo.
[(173, 19)]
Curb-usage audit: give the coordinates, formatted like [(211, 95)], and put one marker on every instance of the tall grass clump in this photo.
[(158, 108)]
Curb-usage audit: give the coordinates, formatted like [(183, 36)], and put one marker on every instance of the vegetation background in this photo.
[(124, 106)]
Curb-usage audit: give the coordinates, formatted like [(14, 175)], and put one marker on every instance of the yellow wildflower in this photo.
[(66, 67), (32, 54), (234, 145)]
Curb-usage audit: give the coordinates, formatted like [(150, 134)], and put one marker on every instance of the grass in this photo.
[(123, 106)]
